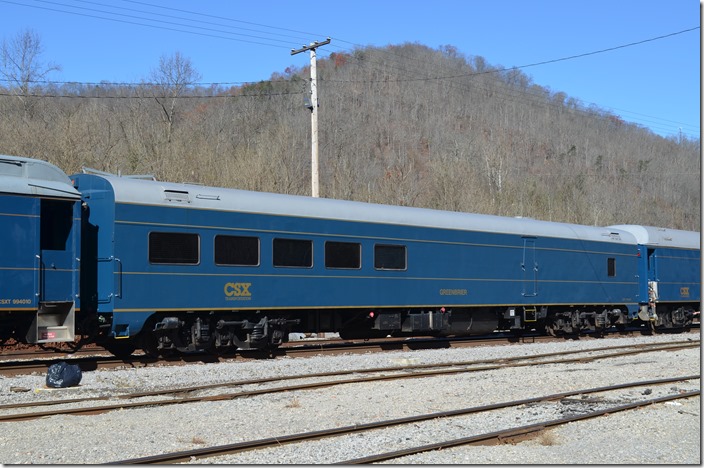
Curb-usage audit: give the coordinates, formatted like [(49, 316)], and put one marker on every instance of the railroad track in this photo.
[(93, 358), (141, 432), (406, 371), (510, 433), (517, 433), (20, 363)]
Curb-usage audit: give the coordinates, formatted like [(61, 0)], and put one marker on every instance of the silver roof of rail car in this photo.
[(26, 176), (665, 237), (155, 193)]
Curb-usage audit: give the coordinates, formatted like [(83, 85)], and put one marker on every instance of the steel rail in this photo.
[(13, 368), (102, 359), (502, 364), (189, 455), (496, 364), (461, 368), (39, 361), (45, 355), (498, 436)]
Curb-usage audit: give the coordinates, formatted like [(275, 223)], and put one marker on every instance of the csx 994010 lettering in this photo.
[(133, 262)]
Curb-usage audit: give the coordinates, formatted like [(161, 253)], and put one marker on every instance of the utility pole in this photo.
[(314, 111)]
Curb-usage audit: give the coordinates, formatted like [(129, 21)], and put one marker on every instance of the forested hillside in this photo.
[(403, 125)]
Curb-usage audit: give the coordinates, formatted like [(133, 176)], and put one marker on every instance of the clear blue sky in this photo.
[(655, 84)]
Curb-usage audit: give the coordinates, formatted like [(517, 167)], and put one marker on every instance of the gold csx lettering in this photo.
[(238, 290)]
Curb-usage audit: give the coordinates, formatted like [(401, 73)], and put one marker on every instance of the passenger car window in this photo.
[(344, 255), (390, 257), (174, 248), (236, 250), (293, 253), (611, 266)]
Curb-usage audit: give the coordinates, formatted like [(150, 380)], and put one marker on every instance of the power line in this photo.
[(219, 17), (177, 17), (610, 49), (135, 85), (167, 28), (83, 96), (507, 69), (545, 62), (511, 94), (497, 88)]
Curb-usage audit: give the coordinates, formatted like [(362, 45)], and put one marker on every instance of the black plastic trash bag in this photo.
[(62, 375)]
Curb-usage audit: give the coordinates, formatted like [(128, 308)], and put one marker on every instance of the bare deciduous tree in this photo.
[(172, 79), (391, 131), (21, 65)]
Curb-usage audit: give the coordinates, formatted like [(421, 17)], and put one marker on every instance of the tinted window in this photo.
[(611, 266), (343, 255), (173, 247), (236, 250), (293, 253), (56, 222), (390, 257)]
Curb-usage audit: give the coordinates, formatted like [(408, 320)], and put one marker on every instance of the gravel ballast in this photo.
[(660, 434)]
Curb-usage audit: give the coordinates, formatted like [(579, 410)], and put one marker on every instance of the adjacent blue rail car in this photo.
[(168, 267), (186, 267), (40, 219), (669, 272)]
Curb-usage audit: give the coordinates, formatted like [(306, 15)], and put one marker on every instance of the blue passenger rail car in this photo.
[(186, 267), (39, 237), (669, 269)]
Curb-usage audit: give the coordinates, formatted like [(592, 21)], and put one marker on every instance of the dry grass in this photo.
[(547, 438), (294, 403)]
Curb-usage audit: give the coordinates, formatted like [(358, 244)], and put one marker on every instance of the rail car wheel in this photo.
[(149, 344)]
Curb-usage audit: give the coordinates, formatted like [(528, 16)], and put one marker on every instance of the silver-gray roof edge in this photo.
[(665, 237), (146, 192), (27, 176)]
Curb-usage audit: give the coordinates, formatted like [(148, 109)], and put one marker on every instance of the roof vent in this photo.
[(177, 196)]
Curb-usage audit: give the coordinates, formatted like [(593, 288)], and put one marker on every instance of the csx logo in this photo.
[(238, 290), (684, 292)]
